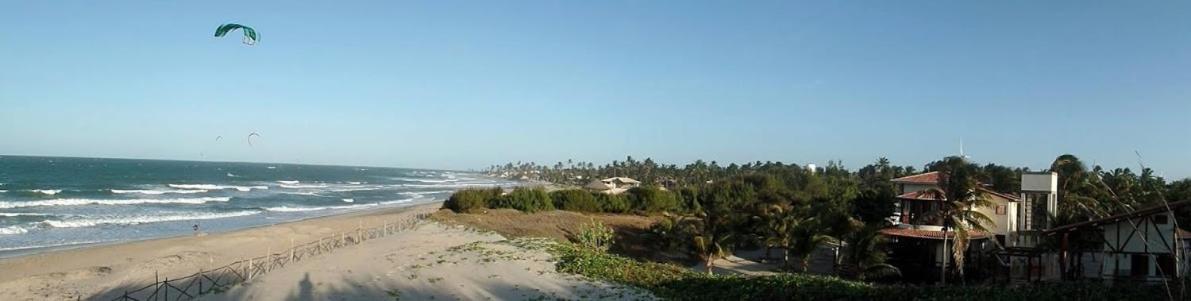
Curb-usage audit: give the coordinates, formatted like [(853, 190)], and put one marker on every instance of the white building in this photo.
[(613, 185)]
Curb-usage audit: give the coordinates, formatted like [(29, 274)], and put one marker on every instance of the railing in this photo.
[(223, 278)]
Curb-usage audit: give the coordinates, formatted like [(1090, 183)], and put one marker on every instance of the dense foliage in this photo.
[(677, 283), (471, 200)]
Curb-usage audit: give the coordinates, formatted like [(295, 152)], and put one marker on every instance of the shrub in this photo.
[(669, 281), (529, 200), (595, 236), (653, 200), (613, 203), (471, 200), (575, 200)]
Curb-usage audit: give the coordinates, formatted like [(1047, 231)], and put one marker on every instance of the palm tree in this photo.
[(708, 242), (776, 220), (959, 195), (864, 254), (806, 235)]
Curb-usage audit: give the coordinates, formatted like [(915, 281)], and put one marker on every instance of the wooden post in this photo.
[(166, 286), (200, 281), (250, 268), (291, 250)]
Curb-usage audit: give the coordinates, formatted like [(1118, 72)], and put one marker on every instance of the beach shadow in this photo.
[(305, 289)]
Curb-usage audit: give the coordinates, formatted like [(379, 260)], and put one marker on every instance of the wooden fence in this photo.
[(223, 278)]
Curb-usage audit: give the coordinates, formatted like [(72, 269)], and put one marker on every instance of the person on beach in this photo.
[(196, 227)]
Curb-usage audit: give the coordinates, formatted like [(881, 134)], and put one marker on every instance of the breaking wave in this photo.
[(134, 220), (81, 202), (215, 187), (156, 192)]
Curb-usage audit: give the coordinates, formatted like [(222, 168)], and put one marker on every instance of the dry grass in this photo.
[(631, 238)]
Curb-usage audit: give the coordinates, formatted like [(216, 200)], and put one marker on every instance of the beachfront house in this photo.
[(918, 241), (613, 185), (1141, 245)]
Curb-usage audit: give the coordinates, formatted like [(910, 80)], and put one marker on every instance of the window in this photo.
[(1139, 265), (1001, 210)]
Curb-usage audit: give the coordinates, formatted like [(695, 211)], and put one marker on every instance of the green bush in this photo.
[(471, 200), (653, 200), (529, 200), (673, 282), (595, 236), (612, 203), (575, 200)]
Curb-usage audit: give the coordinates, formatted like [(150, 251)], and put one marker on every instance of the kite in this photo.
[(217, 138), (250, 137), (250, 36)]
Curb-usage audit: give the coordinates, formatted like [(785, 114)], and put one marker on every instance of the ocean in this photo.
[(52, 202)]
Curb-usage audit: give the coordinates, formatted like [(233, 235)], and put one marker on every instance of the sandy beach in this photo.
[(445, 262)]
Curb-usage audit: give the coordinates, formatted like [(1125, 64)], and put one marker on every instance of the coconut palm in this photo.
[(775, 222), (806, 235), (959, 195), (864, 255)]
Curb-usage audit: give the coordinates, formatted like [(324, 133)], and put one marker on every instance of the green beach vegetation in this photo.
[(709, 211)]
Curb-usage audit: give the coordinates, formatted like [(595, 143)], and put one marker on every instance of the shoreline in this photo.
[(87, 270), (30, 251)]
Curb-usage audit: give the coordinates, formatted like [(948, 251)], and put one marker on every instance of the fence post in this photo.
[(166, 291), (200, 281), (291, 250)]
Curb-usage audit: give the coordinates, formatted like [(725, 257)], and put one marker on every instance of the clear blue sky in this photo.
[(464, 84)]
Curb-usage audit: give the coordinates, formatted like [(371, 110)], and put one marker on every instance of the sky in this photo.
[(467, 84)]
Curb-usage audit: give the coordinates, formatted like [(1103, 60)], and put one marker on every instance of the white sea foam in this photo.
[(134, 220), (304, 209), (46, 191), (289, 182), (355, 183), (215, 187), (81, 202), (301, 186), (396, 201), (156, 192), (349, 200), (12, 230), (196, 186), (15, 214)]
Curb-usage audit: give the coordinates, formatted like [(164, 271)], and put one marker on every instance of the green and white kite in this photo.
[(250, 36)]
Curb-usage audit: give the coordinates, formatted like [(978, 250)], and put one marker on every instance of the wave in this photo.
[(135, 220), (355, 183), (349, 200), (396, 201), (289, 182), (215, 187), (81, 202), (12, 230), (304, 209), (156, 192), (301, 186), (46, 191), (15, 214), (427, 180)]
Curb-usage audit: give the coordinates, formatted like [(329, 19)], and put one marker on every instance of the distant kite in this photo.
[(250, 137), (217, 138), (250, 36)]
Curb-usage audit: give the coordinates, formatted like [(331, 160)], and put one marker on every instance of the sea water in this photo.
[(52, 202)]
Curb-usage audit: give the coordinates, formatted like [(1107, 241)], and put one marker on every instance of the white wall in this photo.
[(1146, 239)]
